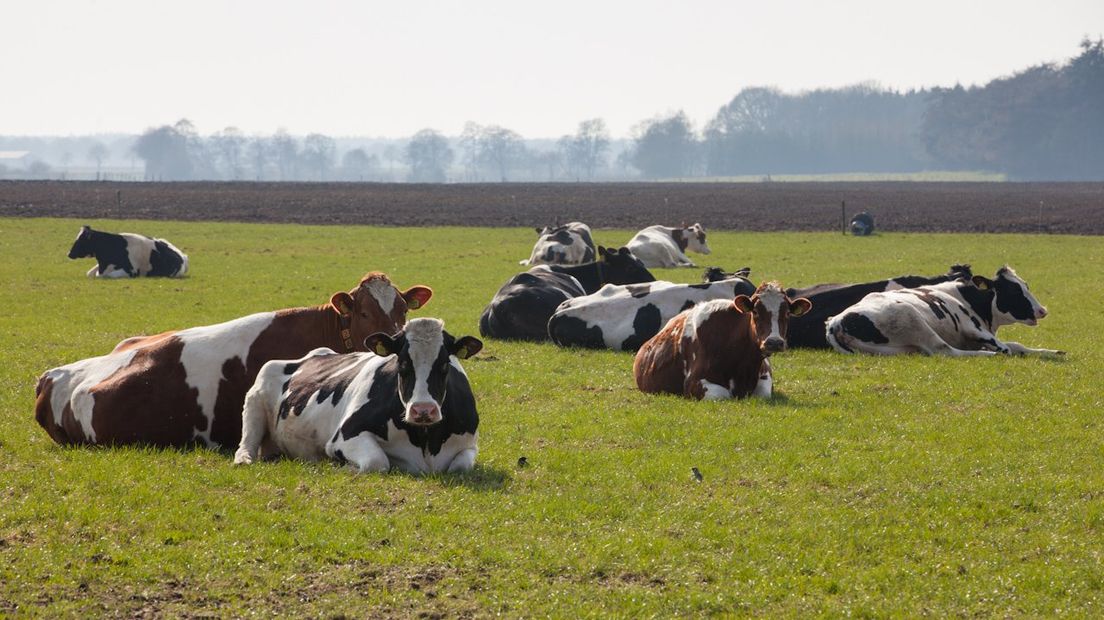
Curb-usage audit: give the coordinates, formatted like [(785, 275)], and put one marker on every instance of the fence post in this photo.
[(843, 217)]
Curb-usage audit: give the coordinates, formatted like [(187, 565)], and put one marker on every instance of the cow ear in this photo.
[(538, 229), (604, 251), (343, 303), (800, 306), (467, 347), (624, 251), (417, 296), (982, 282), (381, 344), (743, 304)]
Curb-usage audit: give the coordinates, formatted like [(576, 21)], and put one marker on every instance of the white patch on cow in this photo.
[(409, 458), (139, 248), (424, 339), (701, 313), (205, 351), (384, 293), (712, 391), (72, 384), (764, 387), (656, 247), (694, 245), (774, 300)]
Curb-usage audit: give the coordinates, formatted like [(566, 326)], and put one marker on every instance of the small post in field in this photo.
[(119, 199), (843, 217)]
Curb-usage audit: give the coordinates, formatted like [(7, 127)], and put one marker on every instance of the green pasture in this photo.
[(887, 487)]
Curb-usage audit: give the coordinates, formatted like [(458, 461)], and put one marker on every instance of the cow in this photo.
[(862, 224), (185, 388), (126, 255), (569, 244), (406, 403), (719, 349), (623, 317), (521, 308), (807, 331), (716, 274), (957, 319), (661, 246)]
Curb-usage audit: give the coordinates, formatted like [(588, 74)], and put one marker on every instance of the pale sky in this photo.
[(389, 69)]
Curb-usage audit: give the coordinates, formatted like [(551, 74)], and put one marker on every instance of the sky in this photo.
[(390, 69)]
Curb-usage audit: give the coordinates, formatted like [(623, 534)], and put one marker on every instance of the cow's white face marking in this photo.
[(384, 293), (696, 239), (774, 302), (424, 338)]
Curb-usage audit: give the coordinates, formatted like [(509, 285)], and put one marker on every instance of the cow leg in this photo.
[(712, 391), (1016, 348), (254, 428), (94, 271), (114, 272), (764, 388), (363, 453), (463, 461)]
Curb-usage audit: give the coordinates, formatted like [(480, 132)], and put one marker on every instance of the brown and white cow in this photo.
[(719, 349), (186, 387)]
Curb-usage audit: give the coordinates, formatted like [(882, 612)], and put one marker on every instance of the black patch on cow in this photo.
[(702, 286), (680, 238), (935, 304), (458, 410), (980, 302), (568, 331), (639, 290), (645, 325), (327, 375), (1011, 299), (164, 261), (686, 306), (339, 456), (521, 308), (562, 236), (860, 326), (108, 248)]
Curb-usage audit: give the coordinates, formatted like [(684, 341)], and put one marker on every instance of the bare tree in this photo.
[(97, 152), (319, 152), (258, 151), (496, 148), (286, 151), (429, 156), (585, 151), (358, 164), (228, 145)]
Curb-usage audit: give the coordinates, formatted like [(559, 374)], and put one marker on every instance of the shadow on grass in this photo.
[(480, 478)]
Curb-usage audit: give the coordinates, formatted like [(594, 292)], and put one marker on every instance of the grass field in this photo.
[(869, 486)]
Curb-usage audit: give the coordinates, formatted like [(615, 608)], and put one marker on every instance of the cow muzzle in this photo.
[(773, 344), (423, 414)]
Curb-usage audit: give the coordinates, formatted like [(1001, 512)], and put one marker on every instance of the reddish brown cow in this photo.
[(719, 349), (187, 387)]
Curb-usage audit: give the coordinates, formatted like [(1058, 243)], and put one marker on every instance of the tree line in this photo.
[(1045, 122)]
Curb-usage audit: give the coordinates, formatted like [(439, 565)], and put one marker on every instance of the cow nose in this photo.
[(774, 344), (1041, 312), (424, 413)]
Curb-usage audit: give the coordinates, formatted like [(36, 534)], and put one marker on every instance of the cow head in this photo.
[(695, 238), (423, 354), (82, 247), (375, 305), (770, 310), (960, 272), (1012, 301), (716, 274), (621, 267)]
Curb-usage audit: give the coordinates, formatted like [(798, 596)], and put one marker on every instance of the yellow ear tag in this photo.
[(463, 353), (381, 350), (414, 304)]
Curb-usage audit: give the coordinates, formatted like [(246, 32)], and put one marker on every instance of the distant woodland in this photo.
[(1043, 123)]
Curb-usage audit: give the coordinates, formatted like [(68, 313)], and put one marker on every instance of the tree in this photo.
[(318, 153), (286, 151), (429, 156), (585, 151), (495, 148), (228, 145), (258, 151), (665, 147), (358, 164), (164, 150), (97, 153)]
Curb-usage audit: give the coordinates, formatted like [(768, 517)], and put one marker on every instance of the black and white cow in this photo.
[(662, 246), (569, 244), (521, 308), (958, 318), (807, 330), (862, 224), (623, 318), (127, 255), (408, 405), (716, 274)]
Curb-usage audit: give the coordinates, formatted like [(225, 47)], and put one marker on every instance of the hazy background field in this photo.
[(868, 486)]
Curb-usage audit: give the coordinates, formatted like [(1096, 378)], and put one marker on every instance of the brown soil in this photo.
[(1073, 208)]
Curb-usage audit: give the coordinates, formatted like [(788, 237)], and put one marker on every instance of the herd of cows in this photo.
[(352, 380)]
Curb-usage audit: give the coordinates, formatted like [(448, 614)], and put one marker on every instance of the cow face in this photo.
[(770, 311), (621, 267), (1012, 300), (695, 237), (82, 246), (375, 305), (423, 353)]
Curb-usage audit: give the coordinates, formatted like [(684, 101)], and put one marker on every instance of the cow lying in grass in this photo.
[(127, 255), (662, 246), (569, 244), (719, 349), (958, 318), (407, 405), (186, 387)]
